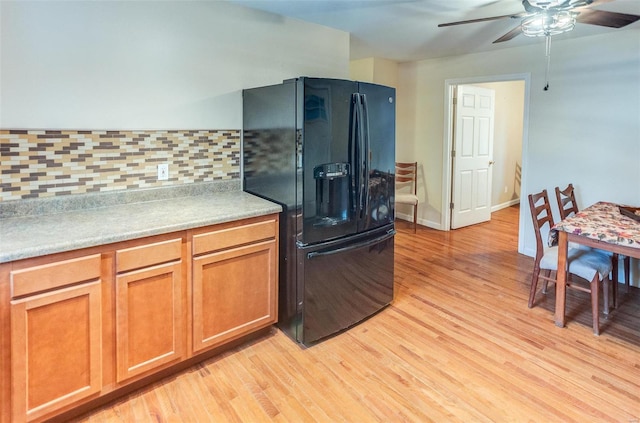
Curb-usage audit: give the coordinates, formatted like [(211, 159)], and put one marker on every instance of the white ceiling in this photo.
[(407, 30)]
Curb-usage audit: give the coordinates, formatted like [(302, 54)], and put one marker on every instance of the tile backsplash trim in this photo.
[(42, 163)]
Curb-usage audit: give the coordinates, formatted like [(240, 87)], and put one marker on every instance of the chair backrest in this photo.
[(541, 215), (566, 201), (407, 174)]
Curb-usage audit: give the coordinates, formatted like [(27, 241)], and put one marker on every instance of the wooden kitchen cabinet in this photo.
[(55, 335), (149, 313), (82, 324), (234, 281)]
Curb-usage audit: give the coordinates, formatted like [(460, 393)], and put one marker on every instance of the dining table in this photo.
[(603, 226)]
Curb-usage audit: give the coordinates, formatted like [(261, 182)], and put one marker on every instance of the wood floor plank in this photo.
[(475, 375), (360, 379), (427, 398), (458, 344)]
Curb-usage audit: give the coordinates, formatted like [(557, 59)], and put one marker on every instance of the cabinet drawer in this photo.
[(55, 275), (148, 255), (230, 237)]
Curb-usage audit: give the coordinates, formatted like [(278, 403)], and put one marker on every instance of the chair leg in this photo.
[(627, 276), (547, 273), (614, 292), (534, 285), (615, 278), (595, 289), (606, 282), (415, 218)]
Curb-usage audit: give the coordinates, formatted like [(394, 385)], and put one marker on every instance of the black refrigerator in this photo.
[(324, 149)]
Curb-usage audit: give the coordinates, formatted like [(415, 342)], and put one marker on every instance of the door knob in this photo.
[(491, 162)]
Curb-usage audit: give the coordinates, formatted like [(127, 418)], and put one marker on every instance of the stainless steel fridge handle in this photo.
[(384, 237)]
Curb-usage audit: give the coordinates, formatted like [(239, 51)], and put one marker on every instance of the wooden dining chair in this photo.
[(591, 265), (407, 187), (567, 205)]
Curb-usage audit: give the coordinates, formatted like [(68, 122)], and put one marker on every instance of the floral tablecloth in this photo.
[(601, 221)]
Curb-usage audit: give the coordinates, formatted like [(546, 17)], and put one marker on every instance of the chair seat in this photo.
[(582, 262), (577, 246), (407, 199)]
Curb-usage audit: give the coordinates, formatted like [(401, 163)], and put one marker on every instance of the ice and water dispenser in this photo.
[(332, 193)]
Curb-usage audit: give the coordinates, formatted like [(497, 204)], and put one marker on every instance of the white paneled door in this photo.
[(472, 156)]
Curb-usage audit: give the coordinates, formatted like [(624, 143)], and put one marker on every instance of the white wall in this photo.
[(585, 129), (149, 65)]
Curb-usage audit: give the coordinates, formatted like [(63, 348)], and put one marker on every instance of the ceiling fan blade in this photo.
[(604, 18), (510, 35), (493, 18), (599, 2)]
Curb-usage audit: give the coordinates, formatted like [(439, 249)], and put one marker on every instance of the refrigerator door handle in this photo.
[(354, 159), (377, 240), (364, 122), (363, 176)]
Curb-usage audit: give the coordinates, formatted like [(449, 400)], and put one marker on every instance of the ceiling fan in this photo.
[(544, 18), (551, 17)]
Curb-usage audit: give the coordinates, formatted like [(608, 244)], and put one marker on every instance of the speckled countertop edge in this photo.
[(70, 228)]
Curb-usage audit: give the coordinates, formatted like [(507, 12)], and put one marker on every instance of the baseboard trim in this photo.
[(505, 205), (422, 222)]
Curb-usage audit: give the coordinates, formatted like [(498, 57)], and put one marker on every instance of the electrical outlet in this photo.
[(506, 189), (163, 172)]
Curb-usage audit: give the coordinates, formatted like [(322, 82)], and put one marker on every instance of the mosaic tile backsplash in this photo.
[(40, 163)]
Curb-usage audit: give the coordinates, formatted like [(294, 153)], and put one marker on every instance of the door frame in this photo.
[(449, 88)]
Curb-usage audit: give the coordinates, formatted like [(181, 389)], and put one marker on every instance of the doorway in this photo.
[(513, 177)]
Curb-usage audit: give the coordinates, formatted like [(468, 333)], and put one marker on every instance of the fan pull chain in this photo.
[(548, 56)]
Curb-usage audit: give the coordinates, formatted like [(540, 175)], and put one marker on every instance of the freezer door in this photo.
[(344, 284), (377, 138)]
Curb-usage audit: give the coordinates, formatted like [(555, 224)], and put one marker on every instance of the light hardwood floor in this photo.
[(457, 344)]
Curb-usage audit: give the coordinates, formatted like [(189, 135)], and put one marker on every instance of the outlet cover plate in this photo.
[(163, 172)]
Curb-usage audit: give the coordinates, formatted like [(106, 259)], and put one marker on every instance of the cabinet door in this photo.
[(55, 349), (149, 319), (234, 293)]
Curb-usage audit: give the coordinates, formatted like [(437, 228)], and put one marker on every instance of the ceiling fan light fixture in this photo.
[(548, 23), (546, 4), (533, 5)]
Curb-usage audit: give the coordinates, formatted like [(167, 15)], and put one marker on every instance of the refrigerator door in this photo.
[(344, 283), (269, 143), (377, 139), (328, 203)]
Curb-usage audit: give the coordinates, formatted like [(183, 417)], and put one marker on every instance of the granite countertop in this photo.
[(36, 232)]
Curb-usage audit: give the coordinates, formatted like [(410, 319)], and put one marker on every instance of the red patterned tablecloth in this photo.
[(604, 222)]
